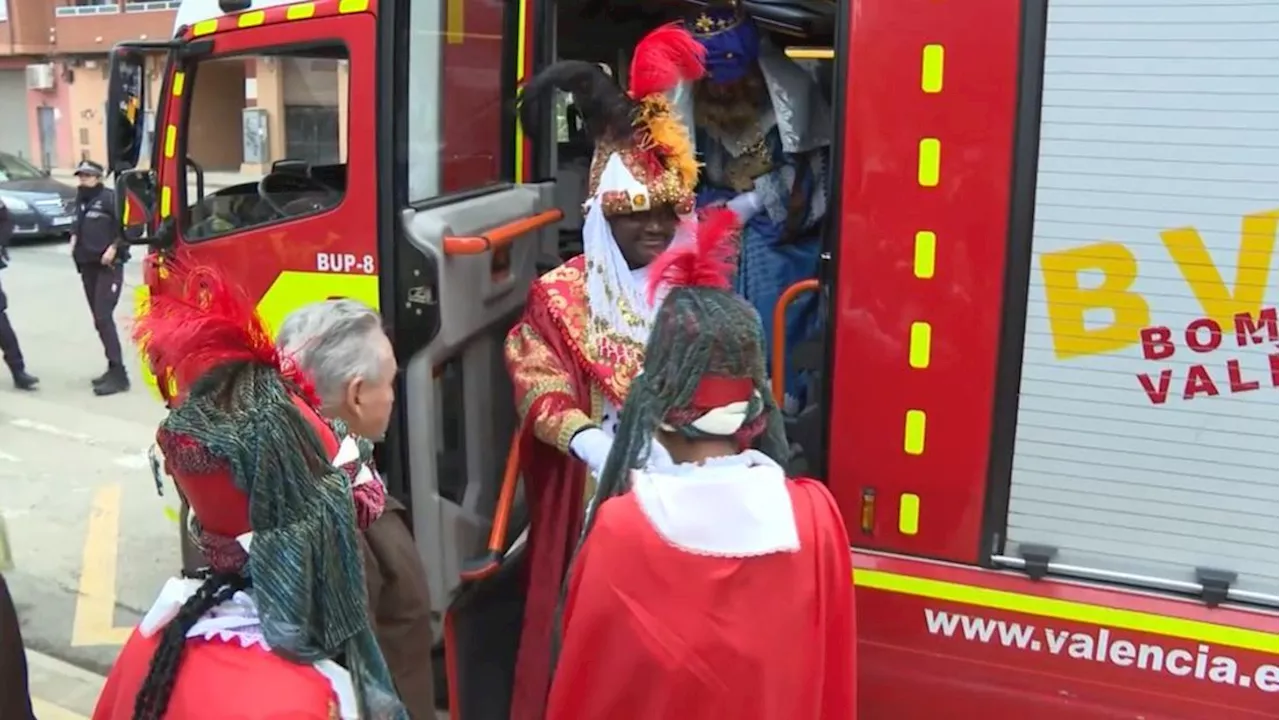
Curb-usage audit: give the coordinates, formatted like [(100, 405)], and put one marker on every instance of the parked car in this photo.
[(39, 206)]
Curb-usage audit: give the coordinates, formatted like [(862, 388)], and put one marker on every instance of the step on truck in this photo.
[(1048, 367)]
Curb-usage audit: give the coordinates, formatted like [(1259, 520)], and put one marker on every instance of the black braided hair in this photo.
[(153, 699), (697, 331)]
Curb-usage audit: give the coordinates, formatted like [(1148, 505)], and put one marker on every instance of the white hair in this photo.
[(332, 341)]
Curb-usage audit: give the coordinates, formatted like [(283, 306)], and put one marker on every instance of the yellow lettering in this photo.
[(1067, 301), (1253, 267)]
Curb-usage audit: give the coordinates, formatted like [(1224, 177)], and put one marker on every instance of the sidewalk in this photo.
[(212, 180), (60, 691)]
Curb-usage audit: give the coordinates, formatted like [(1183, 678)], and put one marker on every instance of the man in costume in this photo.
[(762, 130), (257, 634), (573, 354), (714, 587), (341, 347)]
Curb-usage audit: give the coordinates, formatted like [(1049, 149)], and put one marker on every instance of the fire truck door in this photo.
[(458, 397)]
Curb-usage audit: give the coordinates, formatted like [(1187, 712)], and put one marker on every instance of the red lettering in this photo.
[(1155, 342), (1160, 394), (1274, 358), (1238, 384), (1192, 335), (1198, 383), (1248, 332)]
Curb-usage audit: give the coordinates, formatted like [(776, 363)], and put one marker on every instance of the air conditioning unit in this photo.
[(40, 77)]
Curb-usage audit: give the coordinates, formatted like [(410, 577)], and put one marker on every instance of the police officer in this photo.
[(22, 379), (100, 254)]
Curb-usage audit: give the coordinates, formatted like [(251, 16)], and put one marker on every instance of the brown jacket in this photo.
[(401, 608), (15, 698)]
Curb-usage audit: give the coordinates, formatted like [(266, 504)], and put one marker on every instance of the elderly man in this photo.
[(341, 346)]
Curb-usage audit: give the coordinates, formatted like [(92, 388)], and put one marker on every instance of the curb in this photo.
[(66, 686)]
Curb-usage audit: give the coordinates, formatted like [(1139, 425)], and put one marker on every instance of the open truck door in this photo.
[(347, 175)]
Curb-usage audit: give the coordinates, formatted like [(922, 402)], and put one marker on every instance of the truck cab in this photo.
[(1048, 367)]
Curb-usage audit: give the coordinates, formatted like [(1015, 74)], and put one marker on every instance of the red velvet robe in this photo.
[(220, 681), (652, 632), (561, 383)]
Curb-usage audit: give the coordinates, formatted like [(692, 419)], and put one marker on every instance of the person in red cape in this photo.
[(714, 587), (257, 634), (573, 354)]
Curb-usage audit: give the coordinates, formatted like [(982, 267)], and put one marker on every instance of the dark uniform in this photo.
[(96, 230), (9, 348)]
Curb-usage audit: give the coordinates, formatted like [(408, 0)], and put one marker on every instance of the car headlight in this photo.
[(14, 203)]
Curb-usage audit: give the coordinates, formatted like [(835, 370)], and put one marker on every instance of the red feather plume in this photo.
[(663, 59), (200, 321), (706, 262)]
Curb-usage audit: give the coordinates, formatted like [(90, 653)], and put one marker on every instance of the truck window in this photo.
[(279, 152), (1147, 419), (458, 94)]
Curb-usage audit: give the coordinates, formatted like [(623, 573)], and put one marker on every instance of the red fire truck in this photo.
[(1049, 368)]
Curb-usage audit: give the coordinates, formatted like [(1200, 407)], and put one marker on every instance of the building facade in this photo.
[(54, 58)]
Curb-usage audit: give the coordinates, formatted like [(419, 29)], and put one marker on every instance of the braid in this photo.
[(697, 332), (153, 699)]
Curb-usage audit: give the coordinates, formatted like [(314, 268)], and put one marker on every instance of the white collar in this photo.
[(237, 621), (736, 506)]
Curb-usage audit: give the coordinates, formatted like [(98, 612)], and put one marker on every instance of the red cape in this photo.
[(653, 632), (219, 681), (554, 485)]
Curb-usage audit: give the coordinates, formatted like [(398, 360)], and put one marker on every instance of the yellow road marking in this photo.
[(96, 603), (46, 710)]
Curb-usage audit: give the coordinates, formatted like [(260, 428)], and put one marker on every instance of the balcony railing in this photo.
[(150, 5), (106, 8)]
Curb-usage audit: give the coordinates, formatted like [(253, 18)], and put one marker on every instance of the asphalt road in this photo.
[(91, 538)]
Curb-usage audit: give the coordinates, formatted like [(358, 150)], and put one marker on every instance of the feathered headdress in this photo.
[(707, 262), (250, 453), (202, 322), (644, 157)]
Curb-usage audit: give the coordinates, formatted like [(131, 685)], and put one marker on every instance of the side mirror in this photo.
[(135, 204), (126, 99)]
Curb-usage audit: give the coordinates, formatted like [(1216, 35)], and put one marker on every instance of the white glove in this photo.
[(592, 446), (745, 205)]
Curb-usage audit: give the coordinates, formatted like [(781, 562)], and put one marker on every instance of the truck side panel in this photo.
[(928, 144), (938, 640)]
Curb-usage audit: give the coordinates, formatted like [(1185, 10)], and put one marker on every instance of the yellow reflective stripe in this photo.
[(921, 339), (454, 22), (913, 433), (930, 160), (204, 27), (141, 298), (166, 201), (909, 514), (294, 288), (253, 18), (520, 57), (1085, 613), (179, 83), (301, 11), (931, 62), (926, 249), (353, 6)]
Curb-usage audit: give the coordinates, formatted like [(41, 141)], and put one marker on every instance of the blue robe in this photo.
[(767, 265)]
